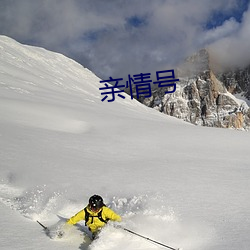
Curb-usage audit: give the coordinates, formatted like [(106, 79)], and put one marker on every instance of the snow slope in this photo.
[(176, 183)]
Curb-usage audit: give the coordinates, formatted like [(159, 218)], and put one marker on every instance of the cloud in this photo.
[(226, 29), (233, 49), (116, 37)]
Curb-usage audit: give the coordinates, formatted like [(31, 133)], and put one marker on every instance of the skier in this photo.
[(95, 214)]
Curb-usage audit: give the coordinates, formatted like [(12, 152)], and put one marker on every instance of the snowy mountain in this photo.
[(237, 81), (204, 95), (182, 185)]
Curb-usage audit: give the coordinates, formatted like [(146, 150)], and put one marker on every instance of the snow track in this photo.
[(32, 203), (145, 214)]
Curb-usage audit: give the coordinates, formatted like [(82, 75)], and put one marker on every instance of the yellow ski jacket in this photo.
[(94, 223)]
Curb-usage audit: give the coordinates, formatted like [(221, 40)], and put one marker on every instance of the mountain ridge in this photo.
[(203, 96)]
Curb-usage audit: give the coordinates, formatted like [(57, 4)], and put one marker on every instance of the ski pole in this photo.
[(146, 238), (45, 228)]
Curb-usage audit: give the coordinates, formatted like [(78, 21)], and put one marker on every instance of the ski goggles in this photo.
[(94, 208)]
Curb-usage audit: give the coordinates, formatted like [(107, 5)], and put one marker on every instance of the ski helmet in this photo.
[(95, 202)]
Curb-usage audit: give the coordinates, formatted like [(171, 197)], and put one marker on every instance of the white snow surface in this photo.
[(182, 185)]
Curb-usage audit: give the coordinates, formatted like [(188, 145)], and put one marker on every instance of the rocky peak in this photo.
[(196, 64), (204, 97), (237, 81)]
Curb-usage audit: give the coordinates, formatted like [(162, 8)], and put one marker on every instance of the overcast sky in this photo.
[(120, 37)]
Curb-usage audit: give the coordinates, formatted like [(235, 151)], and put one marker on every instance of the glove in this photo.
[(60, 234), (62, 229), (118, 226)]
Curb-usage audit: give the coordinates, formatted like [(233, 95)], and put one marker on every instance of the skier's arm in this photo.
[(110, 214), (77, 217)]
